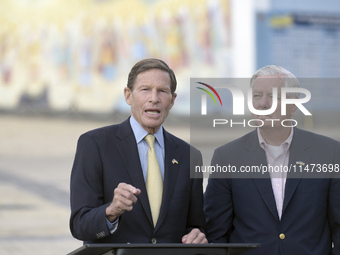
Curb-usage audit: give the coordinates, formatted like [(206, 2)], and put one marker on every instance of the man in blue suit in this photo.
[(110, 201), (288, 213)]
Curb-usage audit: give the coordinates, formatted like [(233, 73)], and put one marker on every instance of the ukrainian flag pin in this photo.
[(174, 161)]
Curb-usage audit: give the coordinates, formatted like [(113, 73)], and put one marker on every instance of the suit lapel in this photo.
[(298, 152), (170, 174), (129, 153), (255, 156)]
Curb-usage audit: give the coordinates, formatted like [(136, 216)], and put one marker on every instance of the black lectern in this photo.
[(165, 249)]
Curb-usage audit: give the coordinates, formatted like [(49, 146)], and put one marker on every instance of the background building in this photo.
[(64, 64)]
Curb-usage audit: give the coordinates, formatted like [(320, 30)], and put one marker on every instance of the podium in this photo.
[(165, 249)]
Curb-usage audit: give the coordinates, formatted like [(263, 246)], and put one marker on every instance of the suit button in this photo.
[(153, 240), (282, 236)]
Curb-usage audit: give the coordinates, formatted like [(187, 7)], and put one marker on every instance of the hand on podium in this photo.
[(194, 237)]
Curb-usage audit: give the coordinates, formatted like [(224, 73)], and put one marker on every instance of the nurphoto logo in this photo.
[(283, 99)]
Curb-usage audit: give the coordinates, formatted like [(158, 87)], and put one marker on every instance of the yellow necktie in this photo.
[(154, 181)]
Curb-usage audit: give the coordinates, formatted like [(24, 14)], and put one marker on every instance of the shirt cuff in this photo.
[(112, 225)]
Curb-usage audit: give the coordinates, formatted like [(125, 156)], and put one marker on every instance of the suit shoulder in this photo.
[(180, 142), (316, 139), (101, 131), (237, 143), (109, 129)]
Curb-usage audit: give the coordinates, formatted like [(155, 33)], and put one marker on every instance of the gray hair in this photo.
[(278, 71)]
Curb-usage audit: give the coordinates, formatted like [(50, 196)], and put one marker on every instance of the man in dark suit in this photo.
[(289, 213), (114, 199)]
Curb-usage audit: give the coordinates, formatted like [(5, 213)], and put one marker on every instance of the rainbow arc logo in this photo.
[(209, 93)]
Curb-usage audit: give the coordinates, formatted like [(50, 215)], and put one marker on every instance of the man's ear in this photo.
[(293, 110), (173, 100), (127, 95)]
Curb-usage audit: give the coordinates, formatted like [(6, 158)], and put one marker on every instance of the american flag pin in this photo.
[(174, 161)]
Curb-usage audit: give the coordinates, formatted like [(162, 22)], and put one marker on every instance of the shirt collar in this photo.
[(286, 143), (140, 132)]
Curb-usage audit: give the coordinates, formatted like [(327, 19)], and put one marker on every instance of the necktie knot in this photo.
[(150, 139)]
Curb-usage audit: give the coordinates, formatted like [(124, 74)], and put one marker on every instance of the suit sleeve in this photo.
[(334, 205), (88, 218), (196, 217), (218, 206)]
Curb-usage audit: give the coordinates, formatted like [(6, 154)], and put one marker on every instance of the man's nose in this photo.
[(265, 102), (154, 98)]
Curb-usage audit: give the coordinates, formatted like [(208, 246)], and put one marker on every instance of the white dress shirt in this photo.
[(277, 156)]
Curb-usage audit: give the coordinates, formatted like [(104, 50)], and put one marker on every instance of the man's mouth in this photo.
[(152, 112), (263, 116)]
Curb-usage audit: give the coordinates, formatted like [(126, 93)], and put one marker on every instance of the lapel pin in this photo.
[(300, 163), (174, 161)]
